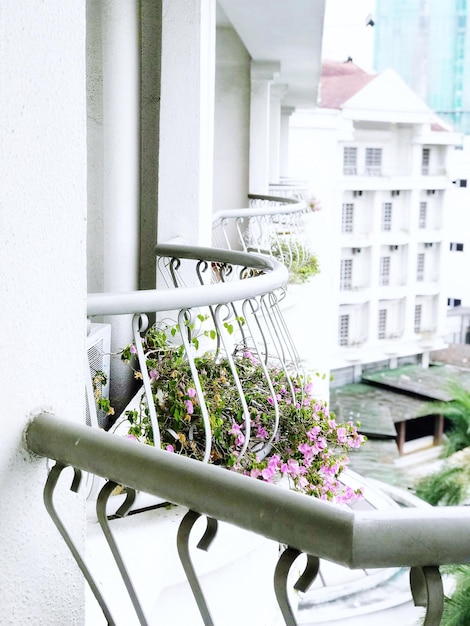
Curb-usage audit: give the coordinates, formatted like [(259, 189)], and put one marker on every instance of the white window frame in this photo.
[(423, 214), (349, 160), (425, 161), (384, 271), (420, 263), (347, 217), (343, 329), (373, 162), (418, 318), (382, 324), (346, 274), (387, 209)]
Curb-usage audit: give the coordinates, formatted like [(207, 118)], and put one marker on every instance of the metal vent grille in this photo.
[(97, 360)]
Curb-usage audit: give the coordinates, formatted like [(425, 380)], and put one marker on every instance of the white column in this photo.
[(262, 74), (277, 94), (286, 112), (120, 26), (120, 45), (186, 121)]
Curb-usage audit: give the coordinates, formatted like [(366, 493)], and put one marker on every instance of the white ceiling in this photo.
[(285, 31)]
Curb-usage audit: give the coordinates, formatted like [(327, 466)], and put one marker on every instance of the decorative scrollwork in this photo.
[(49, 489), (184, 532), (101, 505), (284, 564), (427, 590)]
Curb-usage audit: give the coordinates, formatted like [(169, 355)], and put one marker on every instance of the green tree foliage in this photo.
[(457, 412), (457, 607)]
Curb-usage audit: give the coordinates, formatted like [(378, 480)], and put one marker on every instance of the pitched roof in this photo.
[(340, 81)]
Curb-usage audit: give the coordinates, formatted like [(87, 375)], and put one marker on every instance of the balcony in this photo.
[(218, 288)]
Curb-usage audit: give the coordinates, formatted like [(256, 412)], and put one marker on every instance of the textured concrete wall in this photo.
[(43, 287)]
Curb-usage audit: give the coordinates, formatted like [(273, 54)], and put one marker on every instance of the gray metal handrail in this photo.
[(407, 537)]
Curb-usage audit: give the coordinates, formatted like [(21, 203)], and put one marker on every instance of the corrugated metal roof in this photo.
[(431, 383), (376, 409)]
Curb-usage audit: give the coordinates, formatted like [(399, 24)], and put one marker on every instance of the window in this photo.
[(423, 214), (387, 216), (373, 161), (343, 332), (420, 267), (382, 328), (425, 156), (346, 274), (454, 302), (349, 161), (456, 247), (347, 218), (384, 275), (418, 316)]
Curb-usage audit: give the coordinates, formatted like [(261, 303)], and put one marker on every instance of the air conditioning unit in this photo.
[(393, 248), (395, 192), (97, 360), (356, 250), (430, 192), (357, 193), (428, 245)]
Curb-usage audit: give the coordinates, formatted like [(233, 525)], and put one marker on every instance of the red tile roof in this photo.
[(341, 81)]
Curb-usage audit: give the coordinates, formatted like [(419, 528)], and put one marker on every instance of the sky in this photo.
[(345, 32)]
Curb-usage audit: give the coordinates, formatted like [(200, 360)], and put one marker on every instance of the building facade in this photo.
[(384, 173)]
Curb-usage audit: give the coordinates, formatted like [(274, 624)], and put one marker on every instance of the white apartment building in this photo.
[(383, 178)]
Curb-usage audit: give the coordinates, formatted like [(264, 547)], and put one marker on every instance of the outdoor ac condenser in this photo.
[(98, 360)]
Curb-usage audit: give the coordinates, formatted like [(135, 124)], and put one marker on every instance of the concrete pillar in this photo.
[(277, 93), (120, 44), (262, 75), (286, 112), (43, 276), (186, 121), (119, 184)]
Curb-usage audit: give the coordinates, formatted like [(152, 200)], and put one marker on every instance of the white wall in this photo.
[(42, 307), (232, 121)]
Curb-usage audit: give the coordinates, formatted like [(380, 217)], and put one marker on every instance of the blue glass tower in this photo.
[(428, 43)]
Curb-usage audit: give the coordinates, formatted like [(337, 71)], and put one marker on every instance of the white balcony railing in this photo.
[(276, 226)]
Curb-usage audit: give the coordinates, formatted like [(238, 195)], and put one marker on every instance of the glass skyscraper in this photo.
[(428, 43)]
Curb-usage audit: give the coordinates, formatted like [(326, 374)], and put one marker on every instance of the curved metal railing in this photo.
[(421, 539), (219, 303), (272, 225)]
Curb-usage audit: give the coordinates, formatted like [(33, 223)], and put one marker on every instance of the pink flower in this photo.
[(235, 430), (261, 432), (313, 433), (169, 448), (267, 474), (133, 349), (341, 434), (191, 392), (189, 407), (154, 374)]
